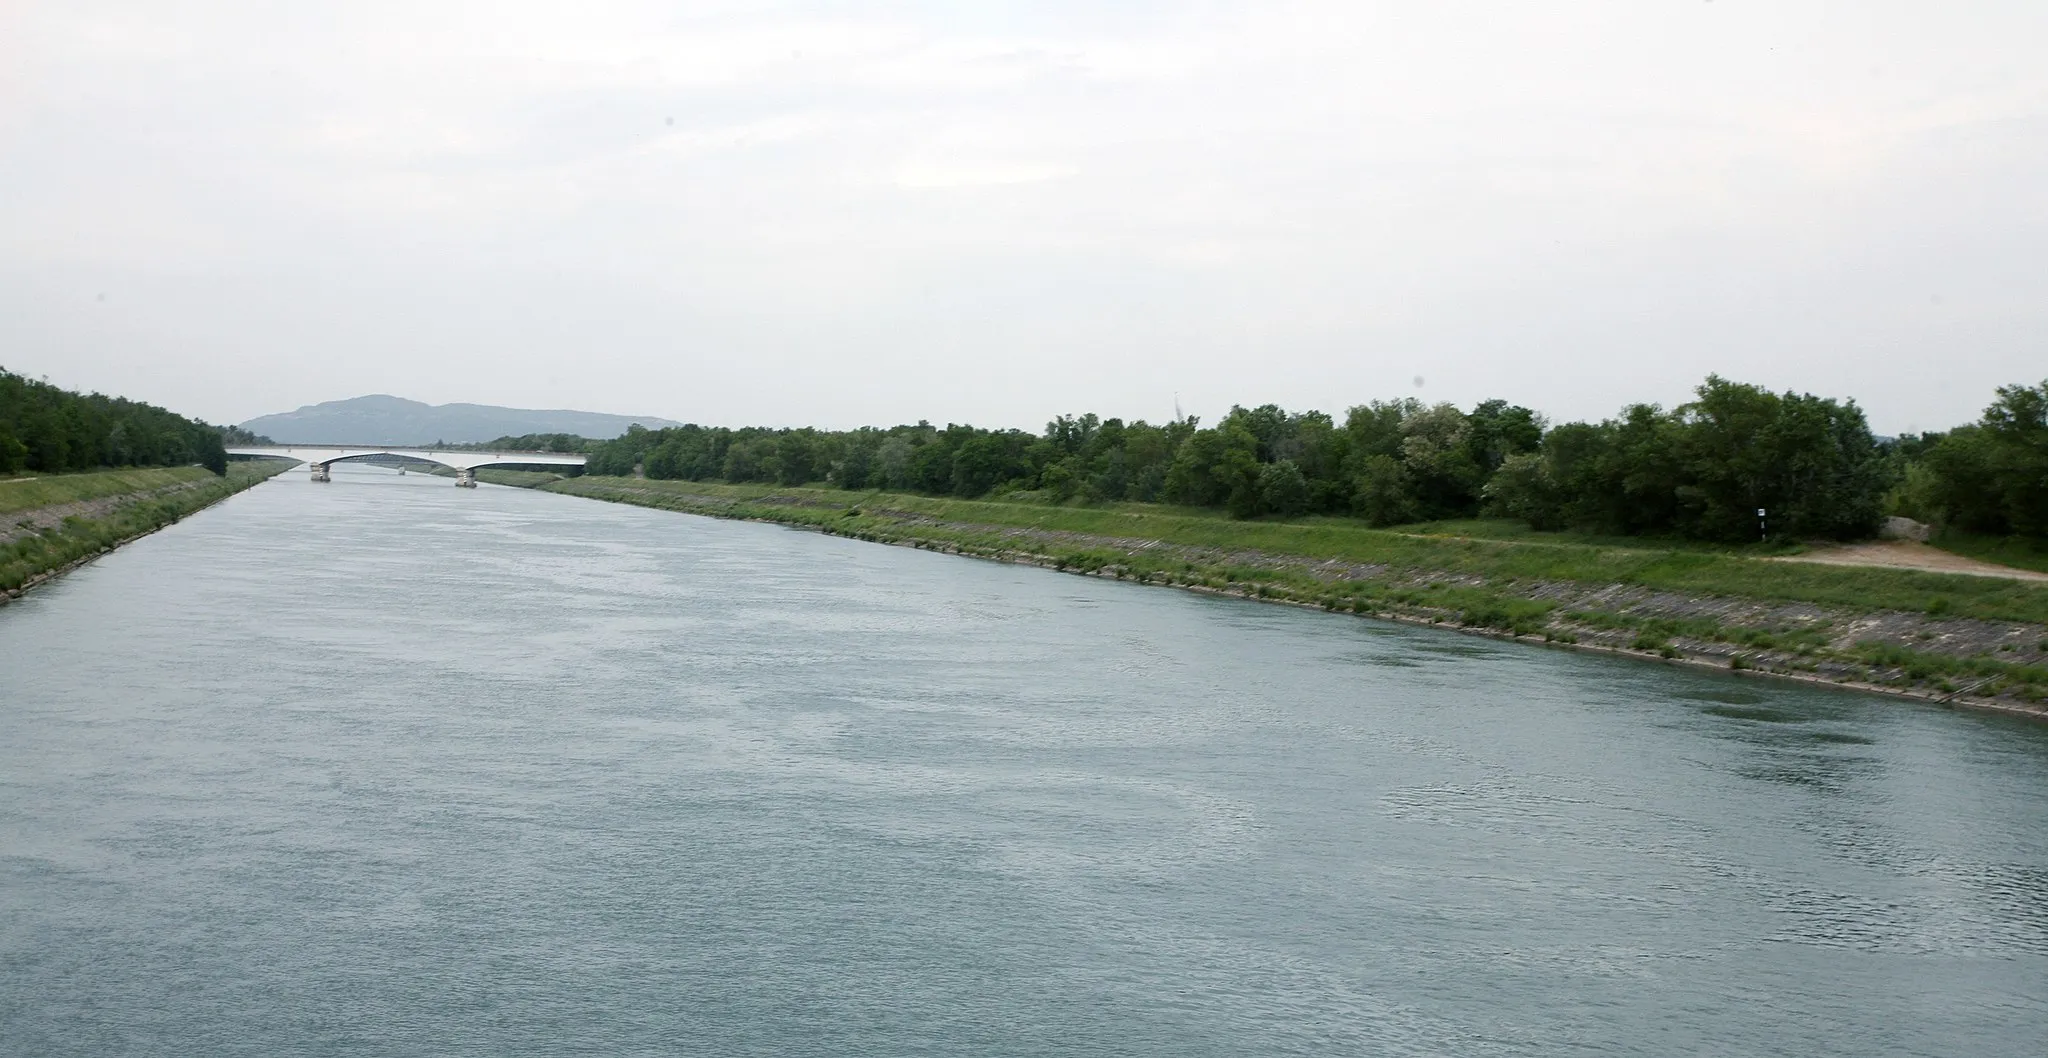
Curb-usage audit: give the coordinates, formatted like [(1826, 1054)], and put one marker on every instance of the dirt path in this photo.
[(1909, 554)]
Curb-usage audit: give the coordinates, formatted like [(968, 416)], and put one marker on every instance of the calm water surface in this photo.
[(385, 767)]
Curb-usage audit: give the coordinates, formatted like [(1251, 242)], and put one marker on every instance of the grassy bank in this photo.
[(1937, 633), (2015, 551), (155, 498), (29, 493), (1689, 569), (520, 479)]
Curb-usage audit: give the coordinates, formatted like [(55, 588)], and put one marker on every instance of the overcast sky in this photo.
[(841, 213)]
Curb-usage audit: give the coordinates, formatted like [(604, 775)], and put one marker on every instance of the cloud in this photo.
[(999, 212)]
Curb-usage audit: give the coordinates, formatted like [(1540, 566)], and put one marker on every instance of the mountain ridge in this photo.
[(380, 418)]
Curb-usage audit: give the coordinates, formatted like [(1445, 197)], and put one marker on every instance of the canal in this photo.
[(386, 767)]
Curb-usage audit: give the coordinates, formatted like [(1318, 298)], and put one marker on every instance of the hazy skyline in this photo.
[(798, 213)]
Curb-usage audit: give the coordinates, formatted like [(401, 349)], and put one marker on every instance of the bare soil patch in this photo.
[(1909, 554)]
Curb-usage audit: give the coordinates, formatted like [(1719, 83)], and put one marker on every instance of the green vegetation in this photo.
[(1703, 470), (519, 479), (100, 470), (1720, 606), (1504, 563), (23, 494), (163, 498), (532, 442), (47, 430), (1698, 473), (1947, 670), (1512, 529), (1988, 478), (2017, 551)]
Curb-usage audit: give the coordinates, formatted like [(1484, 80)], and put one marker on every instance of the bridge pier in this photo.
[(320, 472), (465, 478)]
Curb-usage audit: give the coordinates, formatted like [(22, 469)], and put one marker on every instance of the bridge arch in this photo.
[(463, 461)]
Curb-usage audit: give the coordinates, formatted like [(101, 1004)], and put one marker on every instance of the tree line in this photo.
[(530, 442), (1990, 476), (1698, 471), (50, 430)]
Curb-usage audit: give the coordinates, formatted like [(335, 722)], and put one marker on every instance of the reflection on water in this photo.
[(1839, 738), (1763, 714), (386, 766), (1723, 695)]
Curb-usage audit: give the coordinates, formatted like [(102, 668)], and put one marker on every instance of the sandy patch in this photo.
[(1909, 554)]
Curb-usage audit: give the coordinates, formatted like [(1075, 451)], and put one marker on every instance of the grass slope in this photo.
[(29, 558), (518, 479), (1934, 635), (1689, 570), (29, 493)]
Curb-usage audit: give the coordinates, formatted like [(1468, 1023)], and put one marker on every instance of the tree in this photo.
[(931, 466), (1992, 476), (2017, 425), (1525, 488), (982, 462), (1375, 429), (1381, 492), (13, 454), (856, 460), (1727, 448), (1809, 460), (892, 463), (53, 430), (1268, 426), (1148, 453), (1283, 489), (1698, 471), (793, 458), (1213, 467), (1632, 483), (744, 461), (660, 462), (1499, 430), (1443, 478), (1237, 473)]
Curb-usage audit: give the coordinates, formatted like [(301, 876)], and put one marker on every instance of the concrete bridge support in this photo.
[(465, 478), (320, 472)]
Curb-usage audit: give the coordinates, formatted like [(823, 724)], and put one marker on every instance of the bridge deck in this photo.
[(460, 459)]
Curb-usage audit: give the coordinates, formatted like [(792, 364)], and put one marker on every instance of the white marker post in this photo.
[(1762, 533)]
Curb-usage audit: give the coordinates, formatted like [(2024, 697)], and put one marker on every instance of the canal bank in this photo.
[(51, 525), (1951, 639)]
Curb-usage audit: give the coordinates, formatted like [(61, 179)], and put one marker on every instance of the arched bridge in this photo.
[(320, 457)]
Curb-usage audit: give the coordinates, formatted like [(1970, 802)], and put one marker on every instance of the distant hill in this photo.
[(387, 420)]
